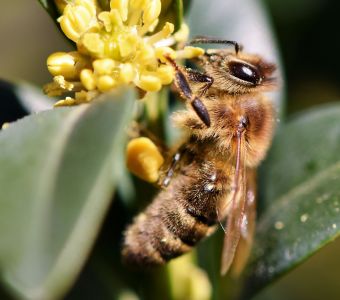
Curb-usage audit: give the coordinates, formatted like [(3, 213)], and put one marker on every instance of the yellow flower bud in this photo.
[(105, 83), (144, 159), (166, 74), (127, 73), (104, 66), (88, 79), (149, 83)]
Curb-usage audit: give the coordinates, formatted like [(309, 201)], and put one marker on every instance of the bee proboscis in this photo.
[(229, 125)]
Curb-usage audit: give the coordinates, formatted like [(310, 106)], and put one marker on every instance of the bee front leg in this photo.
[(186, 93), (199, 77)]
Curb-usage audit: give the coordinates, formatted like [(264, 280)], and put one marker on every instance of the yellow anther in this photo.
[(182, 34), (121, 6), (68, 101), (149, 83), (165, 51), (190, 52), (66, 64), (144, 159), (152, 11), (166, 31), (128, 43), (127, 73), (116, 18), (166, 74), (106, 19), (137, 4), (77, 18), (94, 44), (114, 48), (104, 66), (146, 55), (88, 79), (105, 83)]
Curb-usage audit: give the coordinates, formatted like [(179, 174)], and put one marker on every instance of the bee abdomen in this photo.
[(148, 241)]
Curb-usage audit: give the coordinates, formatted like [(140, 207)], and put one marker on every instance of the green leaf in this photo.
[(301, 196), (21, 98), (58, 171)]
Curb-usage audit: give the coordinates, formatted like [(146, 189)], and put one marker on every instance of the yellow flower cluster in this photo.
[(114, 48)]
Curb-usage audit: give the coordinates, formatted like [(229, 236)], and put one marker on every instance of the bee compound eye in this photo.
[(244, 72)]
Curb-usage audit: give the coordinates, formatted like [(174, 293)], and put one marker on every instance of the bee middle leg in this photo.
[(174, 162)]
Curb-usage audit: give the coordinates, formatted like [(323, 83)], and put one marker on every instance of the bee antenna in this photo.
[(210, 40)]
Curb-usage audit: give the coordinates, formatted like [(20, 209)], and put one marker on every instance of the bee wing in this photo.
[(248, 226), (236, 208)]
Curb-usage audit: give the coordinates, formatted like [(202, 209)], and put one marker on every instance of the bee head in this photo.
[(237, 72)]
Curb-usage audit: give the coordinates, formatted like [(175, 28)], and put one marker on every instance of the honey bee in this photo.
[(229, 125)]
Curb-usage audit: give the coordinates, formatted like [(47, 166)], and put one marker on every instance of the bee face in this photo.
[(238, 73)]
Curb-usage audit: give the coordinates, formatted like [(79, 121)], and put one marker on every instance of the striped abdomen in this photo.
[(177, 219)]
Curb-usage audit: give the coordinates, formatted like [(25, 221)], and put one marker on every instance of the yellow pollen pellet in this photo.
[(127, 73), (104, 66), (144, 159), (166, 74), (105, 83), (149, 83), (88, 79)]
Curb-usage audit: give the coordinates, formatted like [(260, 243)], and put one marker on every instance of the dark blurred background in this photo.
[(308, 38)]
